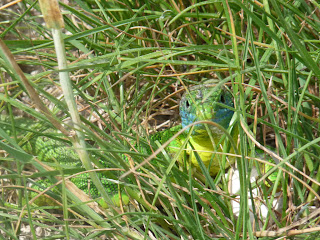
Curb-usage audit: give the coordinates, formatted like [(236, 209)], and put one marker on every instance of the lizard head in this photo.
[(206, 102)]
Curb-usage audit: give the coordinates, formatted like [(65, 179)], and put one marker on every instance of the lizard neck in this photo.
[(202, 137)]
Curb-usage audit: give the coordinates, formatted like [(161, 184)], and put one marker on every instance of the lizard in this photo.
[(200, 103)]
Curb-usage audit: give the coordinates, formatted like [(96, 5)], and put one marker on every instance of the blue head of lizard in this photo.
[(205, 102)]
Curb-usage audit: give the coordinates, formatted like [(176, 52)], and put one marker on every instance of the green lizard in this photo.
[(202, 102)]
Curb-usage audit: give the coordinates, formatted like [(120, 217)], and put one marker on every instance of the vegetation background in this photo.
[(129, 63)]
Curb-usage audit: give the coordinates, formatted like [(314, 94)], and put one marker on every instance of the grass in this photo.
[(129, 64)]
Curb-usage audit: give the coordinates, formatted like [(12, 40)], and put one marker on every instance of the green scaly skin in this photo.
[(47, 147), (202, 102), (59, 155)]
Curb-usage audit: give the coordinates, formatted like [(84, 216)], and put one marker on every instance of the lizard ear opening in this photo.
[(222, 99)]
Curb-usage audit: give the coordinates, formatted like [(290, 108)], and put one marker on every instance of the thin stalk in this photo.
[(79, 142)]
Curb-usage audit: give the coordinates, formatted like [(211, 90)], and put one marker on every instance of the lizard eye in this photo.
[(187, 104)]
